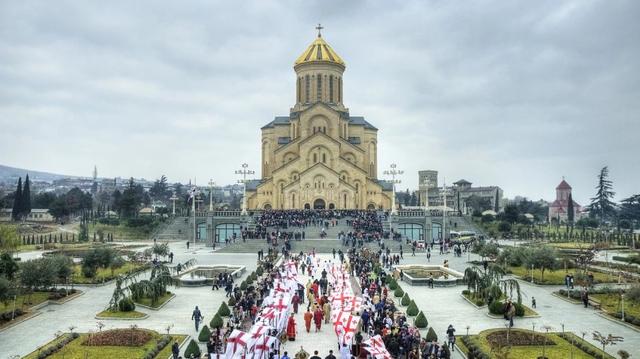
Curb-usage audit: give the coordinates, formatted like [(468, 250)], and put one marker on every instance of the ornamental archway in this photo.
[(319, 204)]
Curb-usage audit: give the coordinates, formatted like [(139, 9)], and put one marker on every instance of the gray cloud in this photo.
[(514, 93)]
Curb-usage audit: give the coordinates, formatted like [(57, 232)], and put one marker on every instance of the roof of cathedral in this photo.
[(386, 185), (319, 51), (563, 185), (252, 185), (354, 120)]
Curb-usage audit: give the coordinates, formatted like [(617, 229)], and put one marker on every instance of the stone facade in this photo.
[(319, 156)]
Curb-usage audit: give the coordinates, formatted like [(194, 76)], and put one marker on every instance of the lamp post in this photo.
[(244, 172), (174, 198), (211, 184), (193, 193), (393, 172), (445, 192)]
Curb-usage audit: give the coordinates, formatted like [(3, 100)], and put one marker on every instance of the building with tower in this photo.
[(559, 209), (319, 156)]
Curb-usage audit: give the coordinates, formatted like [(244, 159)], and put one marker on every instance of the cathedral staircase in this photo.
[(178, 229)]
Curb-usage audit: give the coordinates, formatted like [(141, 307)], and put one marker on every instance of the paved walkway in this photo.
[(442, 306)]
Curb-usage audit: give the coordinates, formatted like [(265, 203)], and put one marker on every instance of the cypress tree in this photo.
[(570, 211), (26, 197), (17, 201)]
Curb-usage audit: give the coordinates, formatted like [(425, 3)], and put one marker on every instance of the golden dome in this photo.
[(319, 51)]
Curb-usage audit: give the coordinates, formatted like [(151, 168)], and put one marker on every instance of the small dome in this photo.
[(319, 51)]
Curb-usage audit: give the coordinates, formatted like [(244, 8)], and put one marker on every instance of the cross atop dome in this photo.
[(319, 28)]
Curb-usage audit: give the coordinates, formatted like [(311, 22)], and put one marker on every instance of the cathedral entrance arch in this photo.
[(267, 206), (371, 206), (332, 206), (319, 204), (307, 206)]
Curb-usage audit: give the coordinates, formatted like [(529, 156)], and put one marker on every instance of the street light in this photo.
[(445, 192), (244, 172), (211, 184), (393, 172), (193, 193), (174, 198)]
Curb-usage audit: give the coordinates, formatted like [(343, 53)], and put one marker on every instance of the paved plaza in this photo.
[(442, 306)]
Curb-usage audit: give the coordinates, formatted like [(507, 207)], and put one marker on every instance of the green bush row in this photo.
[(53, 348), (151, 353)]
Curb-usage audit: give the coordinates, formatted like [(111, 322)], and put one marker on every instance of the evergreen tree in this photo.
[(25, 206), (407, 198), (17, 201), (601, 204), (570, 211), (414, 200)]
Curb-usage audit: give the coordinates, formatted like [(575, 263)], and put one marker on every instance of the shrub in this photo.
[(398, 292), (393, 284), (193, 350), (232, 301), (421, 321), (405, 300), (205, 333), (412, 309), (466, 292), (126, 305), (224, 310), (89, 271), (243, 285), (259, 271), (519, 310), (216, 322), (496, 307), (431, 335)]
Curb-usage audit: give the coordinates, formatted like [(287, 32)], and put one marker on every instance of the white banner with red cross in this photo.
[(238, 344), (375, 346), (262, 347)]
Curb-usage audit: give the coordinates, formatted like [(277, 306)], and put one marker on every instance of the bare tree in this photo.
[(606, 340)]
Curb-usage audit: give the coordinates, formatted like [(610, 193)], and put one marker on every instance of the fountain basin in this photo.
[(201, 275), (418, 275)]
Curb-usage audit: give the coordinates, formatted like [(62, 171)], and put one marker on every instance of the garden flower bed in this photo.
[(106, 314), (554, 277), (117, 343), (526, 344)]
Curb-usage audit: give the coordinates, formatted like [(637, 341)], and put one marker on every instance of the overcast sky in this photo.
[(509, 93)]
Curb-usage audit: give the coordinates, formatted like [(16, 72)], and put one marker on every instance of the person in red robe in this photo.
[(307, 319), (295, 301), (318, 315), (291, 328)]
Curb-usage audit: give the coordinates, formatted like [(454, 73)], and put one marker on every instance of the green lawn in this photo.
[(21, 301), (75, 349), (161, 300), (121, 232), (555, 277), (103, 274), (610, 303), (123, 315), (562, 349)]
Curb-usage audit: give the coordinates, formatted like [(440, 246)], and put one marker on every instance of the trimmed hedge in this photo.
[(475, 352), (193, 350), (584, 346), (243, 285), (224, 310), (421, 321), (126, 305), (431, 335), (412, 309), (392, 284), (216, 322), (232, 301), (205, 333), (398, 292), (405, 299), (53, 348), (497, 307)]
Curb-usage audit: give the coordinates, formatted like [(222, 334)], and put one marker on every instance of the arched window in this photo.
[(319, 88), (344, 198), (293, 200), (315, 158), (324, 158), (324, 129), (307, 88), (340, 89), (331, 88), (299, 90)]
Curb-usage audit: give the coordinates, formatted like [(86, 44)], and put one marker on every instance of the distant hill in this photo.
[(11, 173)]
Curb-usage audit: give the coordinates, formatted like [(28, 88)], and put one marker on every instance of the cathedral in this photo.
[(319, 156)]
